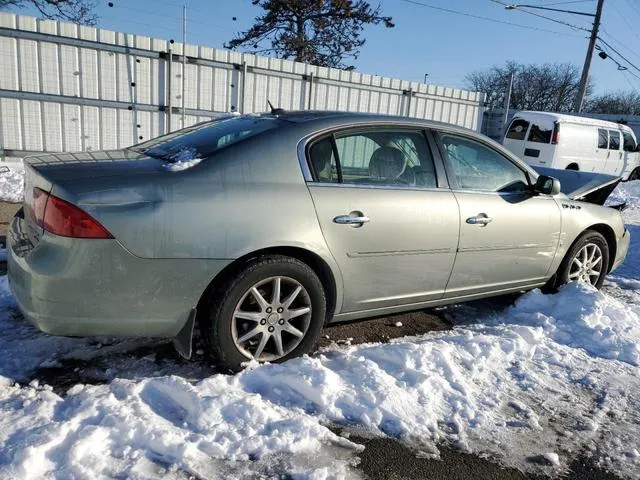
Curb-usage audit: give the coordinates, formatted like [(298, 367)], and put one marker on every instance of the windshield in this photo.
[(203, 139)]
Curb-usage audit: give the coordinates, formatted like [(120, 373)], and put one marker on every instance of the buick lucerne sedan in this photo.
[(261, 229)]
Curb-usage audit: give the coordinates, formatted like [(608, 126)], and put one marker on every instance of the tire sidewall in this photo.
[(589, 236), (226, 354)]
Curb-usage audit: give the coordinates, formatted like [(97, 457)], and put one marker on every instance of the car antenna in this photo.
[(274, 111)]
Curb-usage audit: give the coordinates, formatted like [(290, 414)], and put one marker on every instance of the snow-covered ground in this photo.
[(12, 183), (533, 385)]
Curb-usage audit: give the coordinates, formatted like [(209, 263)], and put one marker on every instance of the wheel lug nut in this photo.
[(271, 329), (263, 321), (280, 310), (269, 309), (281, 321)]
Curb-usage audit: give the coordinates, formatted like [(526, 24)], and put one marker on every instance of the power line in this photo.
[(618, 53), (564, 3), (480, 17), (516, 7)]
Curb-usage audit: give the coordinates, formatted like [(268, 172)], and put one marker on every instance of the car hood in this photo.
[(589, 187)]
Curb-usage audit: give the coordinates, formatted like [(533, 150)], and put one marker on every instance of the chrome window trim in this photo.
[(378, 187)]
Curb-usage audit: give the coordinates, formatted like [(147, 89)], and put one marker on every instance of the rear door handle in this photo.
[(480, 219), (351, 219)]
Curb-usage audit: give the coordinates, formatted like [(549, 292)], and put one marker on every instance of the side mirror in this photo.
[(547, 185)]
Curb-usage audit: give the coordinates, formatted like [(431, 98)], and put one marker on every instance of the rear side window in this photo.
[(540, 133), (614, 140), (374, 157), (629, 144), (518, 129), (603, 138)]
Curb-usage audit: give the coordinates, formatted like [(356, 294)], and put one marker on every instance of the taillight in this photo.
[(555, 136), (62, 218)]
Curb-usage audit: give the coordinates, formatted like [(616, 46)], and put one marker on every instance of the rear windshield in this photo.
[(203, 139), (518, 129)]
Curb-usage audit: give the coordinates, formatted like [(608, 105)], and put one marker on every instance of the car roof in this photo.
[(340, 118), (565, 118)]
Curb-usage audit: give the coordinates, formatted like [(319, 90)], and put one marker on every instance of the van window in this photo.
[(518, 129), (614, 140), (629, 144), (540, 133), (603, 138)]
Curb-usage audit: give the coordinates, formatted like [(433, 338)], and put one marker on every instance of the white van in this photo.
[(568, 142)]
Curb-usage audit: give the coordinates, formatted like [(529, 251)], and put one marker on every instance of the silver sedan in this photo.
[(262, 229)]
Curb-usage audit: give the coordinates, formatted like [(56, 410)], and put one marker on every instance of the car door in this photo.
[(614, 161), (508, 236), (392, 229)]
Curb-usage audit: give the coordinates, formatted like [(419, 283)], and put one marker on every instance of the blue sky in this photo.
[(443, 44)]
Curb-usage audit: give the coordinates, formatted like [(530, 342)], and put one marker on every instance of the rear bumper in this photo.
[(86, 287), (622, 249)]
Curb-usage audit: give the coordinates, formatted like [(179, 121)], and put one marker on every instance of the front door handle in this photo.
[(356, 220), (480, 219)]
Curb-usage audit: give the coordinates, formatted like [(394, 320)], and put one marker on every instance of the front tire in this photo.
[(586, 261), (271, 310)]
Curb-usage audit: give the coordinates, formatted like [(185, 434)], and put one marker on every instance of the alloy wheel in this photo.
[(271, 318), (586, 265)]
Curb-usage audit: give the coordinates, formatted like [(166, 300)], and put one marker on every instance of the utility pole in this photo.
[(184, 59), (577, 106), (507, 104)]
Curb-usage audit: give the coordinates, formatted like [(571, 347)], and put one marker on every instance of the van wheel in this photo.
[(586, 261), (635, 175), (270, 311), (572, 166)]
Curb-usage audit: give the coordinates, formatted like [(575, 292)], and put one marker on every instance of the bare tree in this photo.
[(619, 103), (76, 11), (548, 87), (322, 32)]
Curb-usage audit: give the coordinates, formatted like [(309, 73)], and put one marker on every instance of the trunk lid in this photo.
[(588, 187)]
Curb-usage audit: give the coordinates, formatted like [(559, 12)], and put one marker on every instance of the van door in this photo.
[(614, 161), (602, 152), (631, 158), (538, 149), (515, 136)]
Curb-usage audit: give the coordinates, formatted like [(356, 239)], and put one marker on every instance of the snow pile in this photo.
[(183, 159), (12, 183), (534, 381), (155, 428)]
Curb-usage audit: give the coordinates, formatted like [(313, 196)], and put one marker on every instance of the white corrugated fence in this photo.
[(65, 87)]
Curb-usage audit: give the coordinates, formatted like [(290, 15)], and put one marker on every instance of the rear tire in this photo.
[(586, 261), (573, 166), (635, 175), (271, 310)]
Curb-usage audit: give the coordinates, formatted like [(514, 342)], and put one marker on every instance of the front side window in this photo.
[(614, 140), (629, 144), (518, 129), (603, 138), (374, 157), (478, 167)]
